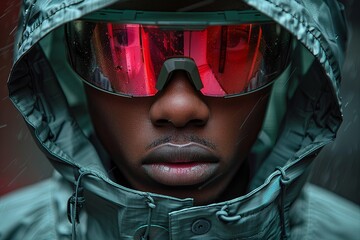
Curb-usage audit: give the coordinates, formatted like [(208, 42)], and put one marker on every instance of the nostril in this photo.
[(197, 122), (162, 122), (193, 122)]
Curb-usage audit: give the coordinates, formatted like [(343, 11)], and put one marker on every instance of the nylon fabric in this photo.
[(309, 116)]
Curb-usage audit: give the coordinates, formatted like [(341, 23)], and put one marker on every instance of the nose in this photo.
[(179, 104)]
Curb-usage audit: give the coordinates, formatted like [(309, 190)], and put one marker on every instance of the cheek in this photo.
[(119, 126), (127, 134), (130, 139), (237, 124)]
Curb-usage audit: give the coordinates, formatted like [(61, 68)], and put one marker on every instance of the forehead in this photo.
[(181, 5)]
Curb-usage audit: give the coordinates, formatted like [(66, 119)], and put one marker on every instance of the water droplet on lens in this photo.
[(118, 68)]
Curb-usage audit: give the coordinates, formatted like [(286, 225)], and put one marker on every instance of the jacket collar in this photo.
[(121, 213)]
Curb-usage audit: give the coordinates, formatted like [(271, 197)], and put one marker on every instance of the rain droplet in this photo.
[(118, 68)]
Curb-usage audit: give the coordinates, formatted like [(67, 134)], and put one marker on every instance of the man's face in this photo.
[(179, 142)]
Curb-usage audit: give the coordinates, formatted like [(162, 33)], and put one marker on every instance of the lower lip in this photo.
[(180, 174)]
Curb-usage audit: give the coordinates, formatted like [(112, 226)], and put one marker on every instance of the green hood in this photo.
[(304, 115)]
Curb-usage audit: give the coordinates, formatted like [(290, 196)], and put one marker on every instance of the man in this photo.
[(201, 120)]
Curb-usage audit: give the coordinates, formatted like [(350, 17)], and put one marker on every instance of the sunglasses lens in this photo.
[(126, 59)]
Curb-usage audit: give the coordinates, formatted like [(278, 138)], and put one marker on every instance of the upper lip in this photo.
[(180, 153)]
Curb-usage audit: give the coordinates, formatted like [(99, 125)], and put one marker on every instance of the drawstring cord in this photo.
[(151, 204), (223, 215), (77, 200), (284, 180), (75, 203)]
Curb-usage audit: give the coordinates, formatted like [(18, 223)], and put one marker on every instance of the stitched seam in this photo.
[(323, 49), (47, 15)]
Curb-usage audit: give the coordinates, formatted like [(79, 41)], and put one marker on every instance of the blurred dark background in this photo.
[(337, 167)]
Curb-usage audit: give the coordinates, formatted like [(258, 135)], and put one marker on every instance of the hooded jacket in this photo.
[(82, 201)]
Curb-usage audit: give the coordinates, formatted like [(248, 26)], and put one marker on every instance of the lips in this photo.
[(180, 164)]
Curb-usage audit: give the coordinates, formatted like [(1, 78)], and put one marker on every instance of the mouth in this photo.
[(180, 164)]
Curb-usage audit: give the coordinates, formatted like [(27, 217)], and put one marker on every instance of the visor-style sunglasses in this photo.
[(134, 53)]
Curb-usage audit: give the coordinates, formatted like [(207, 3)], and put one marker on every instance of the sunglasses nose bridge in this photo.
[(172, 64)]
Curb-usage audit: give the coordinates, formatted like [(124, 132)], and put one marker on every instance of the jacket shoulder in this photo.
[(321, 214), (34, 212)]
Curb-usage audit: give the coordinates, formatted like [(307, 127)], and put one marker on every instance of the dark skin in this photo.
[(179, 142)]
